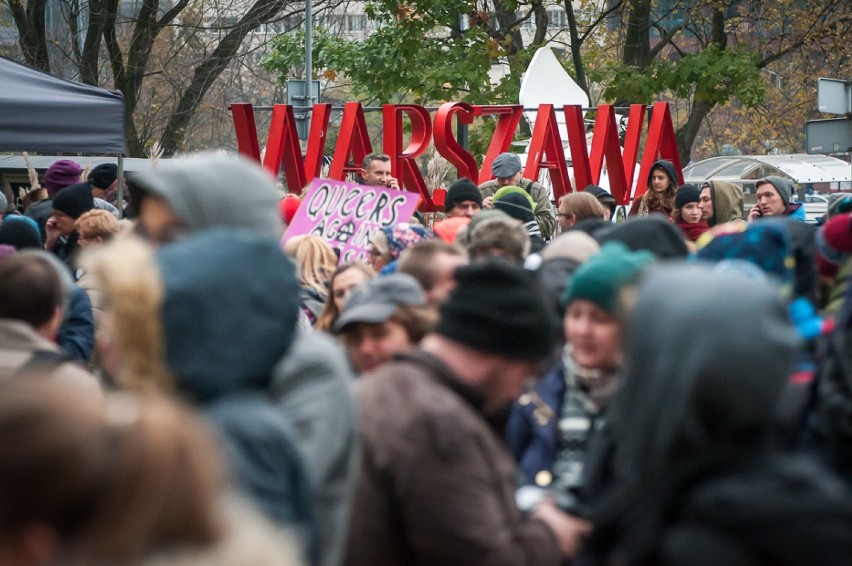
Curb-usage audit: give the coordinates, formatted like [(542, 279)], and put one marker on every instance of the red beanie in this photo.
[(834, 244), (448, 229), (288, 206)]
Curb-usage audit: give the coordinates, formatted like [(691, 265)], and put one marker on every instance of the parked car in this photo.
[(816, 206)]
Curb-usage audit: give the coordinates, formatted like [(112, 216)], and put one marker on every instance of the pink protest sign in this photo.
[(346, 215)]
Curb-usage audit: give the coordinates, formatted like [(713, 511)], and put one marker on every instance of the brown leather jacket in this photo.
[(436, 484)]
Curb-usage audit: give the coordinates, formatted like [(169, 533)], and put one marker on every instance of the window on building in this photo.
[(557, 19), (357, 22)]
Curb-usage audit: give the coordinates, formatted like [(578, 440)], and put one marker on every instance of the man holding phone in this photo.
[(774, 195)]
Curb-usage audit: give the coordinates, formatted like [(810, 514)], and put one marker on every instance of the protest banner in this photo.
[(346, 215)]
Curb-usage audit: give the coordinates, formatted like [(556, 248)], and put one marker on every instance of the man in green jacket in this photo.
[(507, 170)]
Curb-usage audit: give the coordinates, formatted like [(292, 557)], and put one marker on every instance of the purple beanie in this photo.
[(61, 174)]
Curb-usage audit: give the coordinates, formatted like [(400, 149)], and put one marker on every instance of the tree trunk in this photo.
[(686, 134), (90, 55), (576, 56), (637, 42), (32, 36)]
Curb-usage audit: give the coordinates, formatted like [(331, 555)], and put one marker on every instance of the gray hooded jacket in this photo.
[(209, 190)]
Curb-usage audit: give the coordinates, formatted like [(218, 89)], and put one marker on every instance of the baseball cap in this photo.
[(506, 165), (375, 301)]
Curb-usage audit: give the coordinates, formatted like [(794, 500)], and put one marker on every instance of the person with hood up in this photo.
[(775, 198), (720, 202), (696, 477), (202, 191), (550, 425), (209, 317), (213, 190), (660, 196), (687, 212)]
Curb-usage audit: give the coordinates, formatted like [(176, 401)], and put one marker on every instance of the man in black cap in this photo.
[(507, 170), (436, 484), (463, 199), (68, 205)]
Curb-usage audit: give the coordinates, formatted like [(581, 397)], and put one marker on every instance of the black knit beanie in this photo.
[(687, 194), (74, 200), (603, 196), (653, 233), (516, 206), (499, 309), (462, 190)]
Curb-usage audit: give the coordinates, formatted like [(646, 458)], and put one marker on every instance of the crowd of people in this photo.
[(514, 383)]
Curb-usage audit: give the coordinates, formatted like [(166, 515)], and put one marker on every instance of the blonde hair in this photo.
[(133, 293), (315, 261), (582, 205), (97, 224), (329, 312), (117, 478)]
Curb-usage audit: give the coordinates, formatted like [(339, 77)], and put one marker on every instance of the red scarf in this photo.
[(693, 231)]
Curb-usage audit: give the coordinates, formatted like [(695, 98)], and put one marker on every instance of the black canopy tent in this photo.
[(46, 114)]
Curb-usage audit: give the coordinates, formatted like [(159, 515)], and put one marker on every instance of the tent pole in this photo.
[(120, 186)]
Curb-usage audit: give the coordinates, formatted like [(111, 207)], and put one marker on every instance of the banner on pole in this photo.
[(345, 214)]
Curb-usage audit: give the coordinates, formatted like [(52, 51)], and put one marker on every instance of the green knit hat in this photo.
[(604, 274), (513, 189)]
